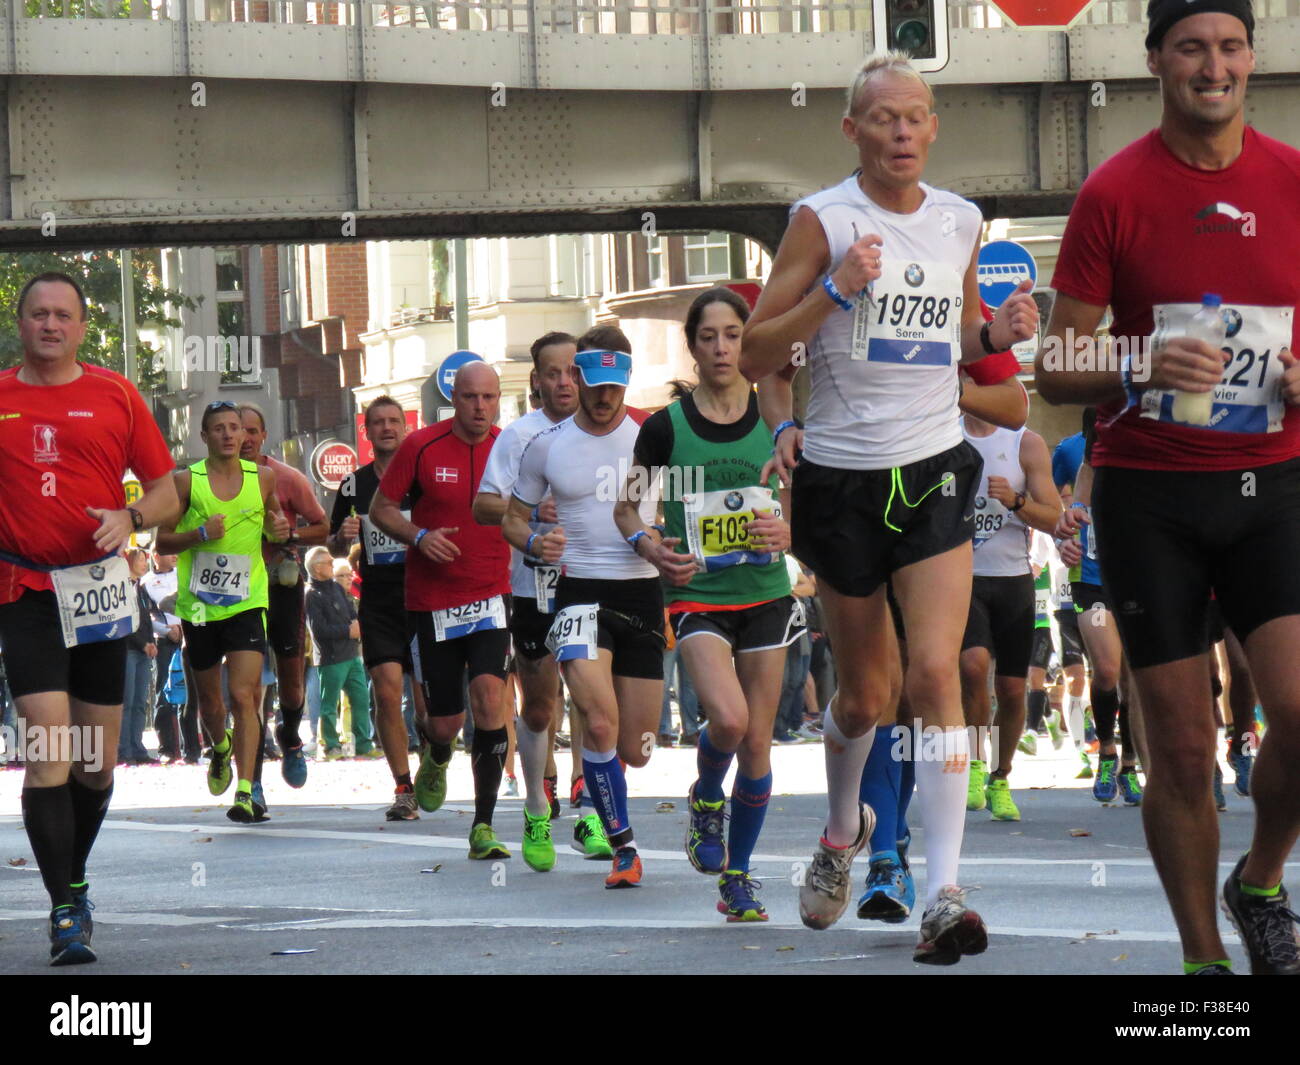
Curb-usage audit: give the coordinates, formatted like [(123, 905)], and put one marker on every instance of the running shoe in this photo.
[(512, 787), (891, 891), (1241, 763), (430, 781), (241, 810), (739, 901), (1085, 770), (539, 851), (550, 786), (1216, 969), (293, 767), (705, 847), (82, 907), (824, 894), (979, 773), (1130, 788), (949, 930), (483, 843), (575, 794), (589, 838), (69, 940), (627, 869), (787, 738), (1089, 728), (1028, 743), (1105, 787), (404, 807), (1001, 805), (259, 804), (1267, 926), (1054, 730), (372, 755), (335, 754), (219, 774), (1220, 803), (809, 735)]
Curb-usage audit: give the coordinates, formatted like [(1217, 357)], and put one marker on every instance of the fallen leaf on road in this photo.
[(665, 807), (17, 861), (433, 870), (1017, 833), (185, 965), (205, 839), (1080, 832), (751, 948), (779, 949), (1121, 957)]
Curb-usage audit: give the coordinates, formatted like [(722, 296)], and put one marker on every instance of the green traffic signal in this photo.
[(912, 36)]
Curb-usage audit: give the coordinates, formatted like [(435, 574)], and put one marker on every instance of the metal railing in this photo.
[(638, 17)]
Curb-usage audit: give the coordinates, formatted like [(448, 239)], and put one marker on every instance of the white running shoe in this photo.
[(949, 930), (824, 896)]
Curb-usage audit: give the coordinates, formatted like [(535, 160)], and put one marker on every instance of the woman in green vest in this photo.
[(228, 505), (732, 613)]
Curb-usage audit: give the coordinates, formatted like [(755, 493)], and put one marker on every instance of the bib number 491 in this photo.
[(573, 633)]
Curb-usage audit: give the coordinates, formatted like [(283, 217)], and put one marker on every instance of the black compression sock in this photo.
[(290, 722), (88, 809), (48, 817), (488, 757), (1105, 705), (441, 752), (404, 781), (1037, 704)]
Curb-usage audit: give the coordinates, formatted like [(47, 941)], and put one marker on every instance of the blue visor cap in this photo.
[(604, 367)]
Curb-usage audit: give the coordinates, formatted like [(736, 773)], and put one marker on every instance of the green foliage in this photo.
[(99, 274)]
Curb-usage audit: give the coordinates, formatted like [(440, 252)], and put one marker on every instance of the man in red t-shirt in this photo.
[(1203, 204), (457, 593), (68, 434), (286, 615)]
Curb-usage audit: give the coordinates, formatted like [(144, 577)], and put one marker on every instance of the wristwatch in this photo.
[(137, 519), (1020, 502)]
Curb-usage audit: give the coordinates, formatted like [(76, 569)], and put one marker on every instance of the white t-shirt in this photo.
[(585, 474), (884, 377), (499, 479), (1001, 535)]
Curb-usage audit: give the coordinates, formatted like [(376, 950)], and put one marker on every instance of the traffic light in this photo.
[(917, 27)]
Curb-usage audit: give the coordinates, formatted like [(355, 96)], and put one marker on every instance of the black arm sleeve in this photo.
[(654, 443)]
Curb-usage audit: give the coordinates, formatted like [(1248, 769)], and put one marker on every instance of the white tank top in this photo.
[(884, 377), (1002, 539)]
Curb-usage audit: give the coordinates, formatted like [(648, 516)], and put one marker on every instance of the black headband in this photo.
[(1162, 14)]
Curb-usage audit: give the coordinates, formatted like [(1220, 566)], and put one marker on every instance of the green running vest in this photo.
[(243, 537)]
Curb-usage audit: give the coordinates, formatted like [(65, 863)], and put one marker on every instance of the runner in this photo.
[(1056, 632), (875, 280), (1016, 496), (286, 613), (533, 586), (729, 595), (385, 642), (457, 594), (68, 434), (1202, 204), (607, 635)]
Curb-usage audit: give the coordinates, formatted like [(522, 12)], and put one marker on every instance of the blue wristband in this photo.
[(528, 544), (835, 293), (203, 534), (632, 540), (534, 516), (418, 537), (782, 428)]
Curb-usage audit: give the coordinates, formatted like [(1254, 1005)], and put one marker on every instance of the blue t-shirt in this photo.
[(1066, 460)]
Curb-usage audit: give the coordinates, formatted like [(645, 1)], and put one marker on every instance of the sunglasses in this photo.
[(221, 404)]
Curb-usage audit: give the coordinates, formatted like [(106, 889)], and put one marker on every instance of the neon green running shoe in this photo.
[(1054, 730), (1085, 770), (979, 774), (483, 844), (589, 838), (430, 781), (219, 774), (241, 810), (1028, 743), (539, 851), (1000, 804)]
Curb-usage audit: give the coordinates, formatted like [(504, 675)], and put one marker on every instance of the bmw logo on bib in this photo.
[(221, 561), (97, 572), (1232, 319), (734, 501), (914, 275), (981, 502)]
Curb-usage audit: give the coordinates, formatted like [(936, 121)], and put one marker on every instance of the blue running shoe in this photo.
[(293, 767), (259, 804), (1132, 790), (705, 846), (69, 941), (738, 900), (1241, 763), (81, 906), (1106, 787), (891, 892)]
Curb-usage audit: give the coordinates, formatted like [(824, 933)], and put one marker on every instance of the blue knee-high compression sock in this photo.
[(749, 800), (711, 764), (906, 781), (606, 789), (879, 788)]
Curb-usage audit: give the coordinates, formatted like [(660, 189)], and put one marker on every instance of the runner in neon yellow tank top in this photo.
[(221, 593), (729, 596)]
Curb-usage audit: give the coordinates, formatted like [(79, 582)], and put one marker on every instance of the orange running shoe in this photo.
[(627, 869)]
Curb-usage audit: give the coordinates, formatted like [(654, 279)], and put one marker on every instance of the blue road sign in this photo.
[(1002, 265), (447, 371)]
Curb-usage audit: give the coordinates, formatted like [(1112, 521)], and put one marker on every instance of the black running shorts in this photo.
[(286, 618), (528, 628), (31, 639), (440, 667), (1168, 538), (853, 528), (1067, 623), (1001, 619), (1041, 654), (760, 627), (630, 624), (382, 616), (208, 644)]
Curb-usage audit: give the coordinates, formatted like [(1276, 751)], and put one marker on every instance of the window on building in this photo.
[(657, 258), (241, 362), (708, 256)]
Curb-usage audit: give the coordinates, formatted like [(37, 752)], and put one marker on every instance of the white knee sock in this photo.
[(532, 756), (845, 760), (942, 774)]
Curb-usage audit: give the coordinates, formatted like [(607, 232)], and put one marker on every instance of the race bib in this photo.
[(573, 633), (1042, 600), (1064, 596), (95, 601), (545, 581), (220, 580), (457, 621), (1088, 537), (717, 525), (913, 316), (380, 548), (990, 516), (1248, 398)]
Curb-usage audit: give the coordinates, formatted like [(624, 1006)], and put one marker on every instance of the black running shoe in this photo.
[(1267, 926)]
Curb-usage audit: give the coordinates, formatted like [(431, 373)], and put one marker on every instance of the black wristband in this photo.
[(986, 341)]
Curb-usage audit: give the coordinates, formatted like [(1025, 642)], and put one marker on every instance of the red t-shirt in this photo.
[(441, 473), (64, 448), (1148, 229), (296, 497)]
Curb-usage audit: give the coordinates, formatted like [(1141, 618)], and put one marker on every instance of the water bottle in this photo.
[(1194, 408)]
